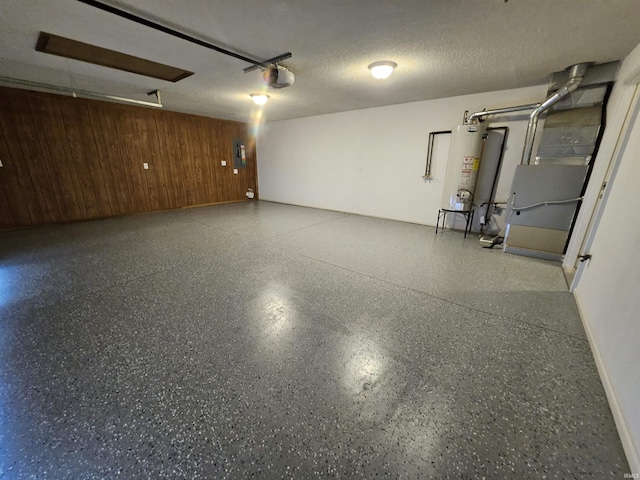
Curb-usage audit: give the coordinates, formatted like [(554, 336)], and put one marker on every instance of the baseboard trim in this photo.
[(569, 275), (120, 215), (347, 212), (262, 199), (633, 456)]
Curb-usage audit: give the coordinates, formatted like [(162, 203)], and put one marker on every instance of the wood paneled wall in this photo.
[(67, 159)]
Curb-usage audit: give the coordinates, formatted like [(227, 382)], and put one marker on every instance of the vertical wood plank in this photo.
[(157, 172), (22, 159), (167, 157), (96, 156), (58, 146), (11, 212), (116, 145), (16, 184), (185, 162), (75, 159), (132, 164), (96, 123), (39, 123)]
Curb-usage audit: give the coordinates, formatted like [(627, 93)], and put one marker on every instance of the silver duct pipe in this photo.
[(576, 74), (484, 113)]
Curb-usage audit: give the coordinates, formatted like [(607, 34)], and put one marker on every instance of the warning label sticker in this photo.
[(470, 166), (467, 164)]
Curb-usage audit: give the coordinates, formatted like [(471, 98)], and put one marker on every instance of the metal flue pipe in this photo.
[(497, 111), (576, 74)]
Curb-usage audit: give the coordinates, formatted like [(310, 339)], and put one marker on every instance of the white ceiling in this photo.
[(443, 48)]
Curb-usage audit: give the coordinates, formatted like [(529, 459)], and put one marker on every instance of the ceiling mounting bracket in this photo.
[(157, 94), (170, 31), (272, 62)]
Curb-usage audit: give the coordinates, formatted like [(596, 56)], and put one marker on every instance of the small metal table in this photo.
[(468, 215)]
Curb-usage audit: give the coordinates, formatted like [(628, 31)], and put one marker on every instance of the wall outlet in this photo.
[(145, 166), (235, 171), (224, 163)]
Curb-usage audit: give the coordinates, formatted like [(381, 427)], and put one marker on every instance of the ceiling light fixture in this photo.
[(259, 98), (382, 69)]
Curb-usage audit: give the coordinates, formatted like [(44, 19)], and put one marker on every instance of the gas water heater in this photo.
[(463, 164)]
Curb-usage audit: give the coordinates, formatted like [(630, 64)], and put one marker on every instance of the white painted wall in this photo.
[(607, 287), (617, 108), (371, 161)]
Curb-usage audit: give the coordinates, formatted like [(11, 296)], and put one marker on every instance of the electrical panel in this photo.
[(239, 154)]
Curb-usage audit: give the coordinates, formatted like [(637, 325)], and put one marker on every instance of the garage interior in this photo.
[(218, 253)]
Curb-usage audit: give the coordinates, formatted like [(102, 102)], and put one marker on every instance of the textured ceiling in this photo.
[(443, 48)]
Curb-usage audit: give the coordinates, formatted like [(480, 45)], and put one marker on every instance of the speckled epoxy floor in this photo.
[(272, 341)]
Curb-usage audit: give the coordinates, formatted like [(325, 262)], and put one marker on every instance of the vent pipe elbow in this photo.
[(578, 71), (576, 74)]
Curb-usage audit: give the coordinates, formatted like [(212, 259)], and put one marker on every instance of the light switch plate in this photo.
[(145, 166), (1, 165), (235, 171), (224, 163)]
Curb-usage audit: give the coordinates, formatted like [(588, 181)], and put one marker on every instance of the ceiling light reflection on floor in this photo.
[(364, 369), (277, 314), (278, 318)]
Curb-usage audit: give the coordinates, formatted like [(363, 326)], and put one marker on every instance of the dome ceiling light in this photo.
[(382, 70), (259, 98)]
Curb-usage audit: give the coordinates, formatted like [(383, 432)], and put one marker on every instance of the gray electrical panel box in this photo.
[(239, 154)]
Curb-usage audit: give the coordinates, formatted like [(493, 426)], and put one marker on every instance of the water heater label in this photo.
[(468, 164)]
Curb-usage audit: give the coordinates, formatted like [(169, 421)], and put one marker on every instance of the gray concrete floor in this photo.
[(273, 341)]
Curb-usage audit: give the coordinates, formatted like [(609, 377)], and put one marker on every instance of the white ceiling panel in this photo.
[(442, 48)]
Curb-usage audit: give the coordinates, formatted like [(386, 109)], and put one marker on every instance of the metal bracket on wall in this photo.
[(157, 94)]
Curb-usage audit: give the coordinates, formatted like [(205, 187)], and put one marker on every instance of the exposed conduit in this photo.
[(547, 202), (84, 93)]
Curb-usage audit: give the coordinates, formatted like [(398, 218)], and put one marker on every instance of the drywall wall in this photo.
[(371, 161), (617, 109), (607, 286), (68, 159)]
